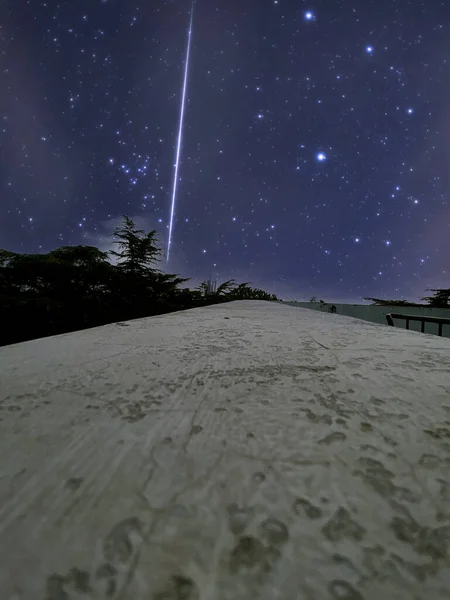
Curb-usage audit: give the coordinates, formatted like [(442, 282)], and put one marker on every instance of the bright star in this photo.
[(321, 156), (410, 111), (309, 16), (369, 49)]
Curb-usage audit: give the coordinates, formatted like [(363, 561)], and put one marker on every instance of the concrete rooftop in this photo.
[(240, 451)]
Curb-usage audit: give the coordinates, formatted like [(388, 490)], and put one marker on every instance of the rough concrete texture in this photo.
[(243, 451)]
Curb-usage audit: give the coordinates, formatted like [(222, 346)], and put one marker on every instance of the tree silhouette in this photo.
[(440, 298), (138, 250), (74, 287), (84, 270), (381, 302), (226, 287)]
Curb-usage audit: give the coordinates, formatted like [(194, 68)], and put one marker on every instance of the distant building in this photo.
[(211, 287)]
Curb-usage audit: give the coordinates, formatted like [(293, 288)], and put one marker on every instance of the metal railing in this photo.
[(439, 320)]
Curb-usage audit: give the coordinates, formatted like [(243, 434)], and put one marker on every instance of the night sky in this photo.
[(315, 154)]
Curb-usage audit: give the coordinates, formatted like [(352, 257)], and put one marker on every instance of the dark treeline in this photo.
[(440, 299), (77, 287)]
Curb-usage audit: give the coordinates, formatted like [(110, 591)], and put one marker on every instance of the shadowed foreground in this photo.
[(239, 451)]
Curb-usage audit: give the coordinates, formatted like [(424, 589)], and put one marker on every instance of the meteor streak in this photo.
[(180, 136)]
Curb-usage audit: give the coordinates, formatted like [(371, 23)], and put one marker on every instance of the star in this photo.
[(321, 156)]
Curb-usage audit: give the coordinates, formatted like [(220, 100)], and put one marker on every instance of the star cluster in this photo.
[(315, 144)]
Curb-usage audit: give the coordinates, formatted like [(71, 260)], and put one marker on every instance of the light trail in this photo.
[(180, 137)]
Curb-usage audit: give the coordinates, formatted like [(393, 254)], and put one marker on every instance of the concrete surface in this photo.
[(377, 314), (243, 451)]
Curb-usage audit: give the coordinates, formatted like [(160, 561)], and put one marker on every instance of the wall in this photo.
[(377, 314)]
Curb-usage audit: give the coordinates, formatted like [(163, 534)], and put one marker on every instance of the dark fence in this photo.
[(439, 320)]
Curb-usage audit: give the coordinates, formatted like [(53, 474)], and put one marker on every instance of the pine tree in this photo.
[(440, 298), (137, 250)]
